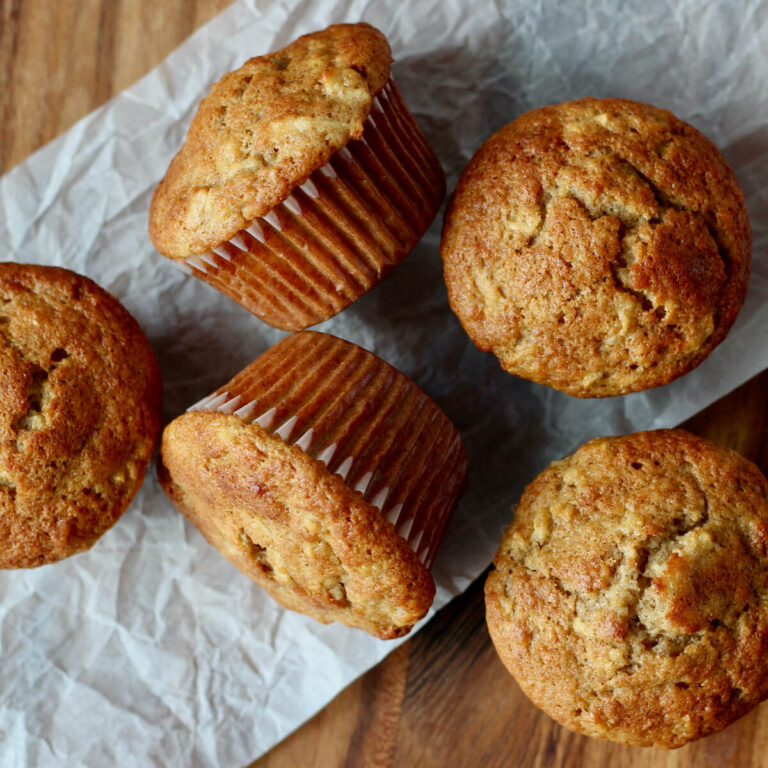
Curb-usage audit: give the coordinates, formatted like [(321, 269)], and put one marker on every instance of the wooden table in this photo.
[(442, 699)]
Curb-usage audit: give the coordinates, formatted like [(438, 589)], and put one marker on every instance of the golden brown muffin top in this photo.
[(80, 399), (299, 531), (599, 246), (262, 130), (630, 595)]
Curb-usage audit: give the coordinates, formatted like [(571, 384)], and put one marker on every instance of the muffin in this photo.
[(630, 594), (303, 180), (598, 246), (80, 400), (325, 475)]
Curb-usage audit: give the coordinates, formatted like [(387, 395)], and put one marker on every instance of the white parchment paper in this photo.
[(151, 649)]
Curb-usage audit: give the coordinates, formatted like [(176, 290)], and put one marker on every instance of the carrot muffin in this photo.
[(599, 247), (325, 475), (80, 399), (303, 180), (630, 595)]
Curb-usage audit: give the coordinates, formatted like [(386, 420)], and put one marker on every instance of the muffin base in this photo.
[(80, 411), (630, 594), (340, 232), (325, 475)]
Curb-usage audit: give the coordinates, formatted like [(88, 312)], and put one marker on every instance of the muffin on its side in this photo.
[(80, 400), (599, 247), (325, 475), (630, 594), (303, 180)]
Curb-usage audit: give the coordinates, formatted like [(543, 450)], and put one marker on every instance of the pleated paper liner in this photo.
[(364, 420), (338, 233)]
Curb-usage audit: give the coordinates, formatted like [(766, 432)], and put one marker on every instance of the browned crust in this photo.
[(599, 246), (321, 549), (262, 130), (80, 401), (630, 594)]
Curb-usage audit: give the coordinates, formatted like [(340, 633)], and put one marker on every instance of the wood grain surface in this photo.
[(443, 698)]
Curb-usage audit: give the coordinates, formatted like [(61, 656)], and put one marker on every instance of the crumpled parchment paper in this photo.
[(151, 648)]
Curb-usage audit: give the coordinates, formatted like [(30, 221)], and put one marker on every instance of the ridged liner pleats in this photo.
[(364, 420), (338, 233)]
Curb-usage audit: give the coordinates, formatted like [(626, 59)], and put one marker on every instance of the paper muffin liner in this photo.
[(337, 234), (366, 421)]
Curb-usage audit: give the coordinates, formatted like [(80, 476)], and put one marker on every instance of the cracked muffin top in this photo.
[(296, 529), (80, 399), (262, 130), (599, 246), (630, 594), (325, 475)]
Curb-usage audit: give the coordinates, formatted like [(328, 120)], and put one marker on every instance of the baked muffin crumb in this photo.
[(599, 246), (291, 525), (630, 595), (79, 413)]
